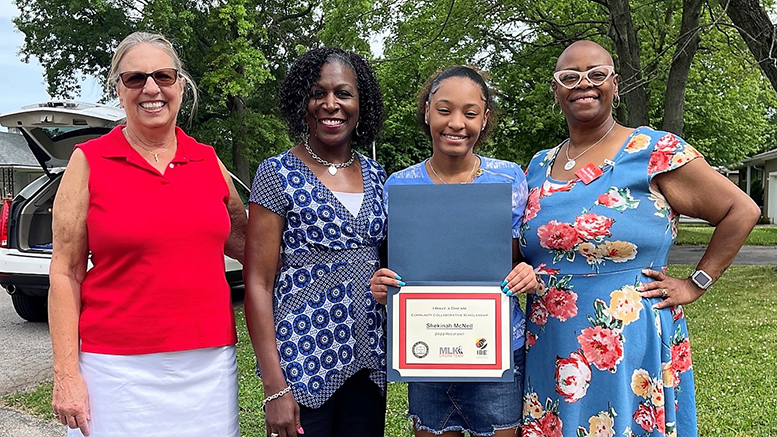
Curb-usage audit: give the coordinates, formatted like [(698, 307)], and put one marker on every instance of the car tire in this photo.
[(31, 308)]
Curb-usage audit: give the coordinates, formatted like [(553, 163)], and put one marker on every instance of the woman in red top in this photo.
[(144, 341)]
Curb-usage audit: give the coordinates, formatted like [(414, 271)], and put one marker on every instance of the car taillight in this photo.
[(6, 211)]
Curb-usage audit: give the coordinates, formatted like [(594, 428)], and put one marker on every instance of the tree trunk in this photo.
[(757, 30), (237, 106), (687, 44), (623, 35)]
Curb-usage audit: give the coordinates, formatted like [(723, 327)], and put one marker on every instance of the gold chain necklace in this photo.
[(474, 165), (154, 154), (571, 162)]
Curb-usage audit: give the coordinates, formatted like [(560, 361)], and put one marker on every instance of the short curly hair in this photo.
[(305, 71), (433, 84)]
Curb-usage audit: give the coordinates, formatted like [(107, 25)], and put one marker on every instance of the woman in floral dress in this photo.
[(608, 348)]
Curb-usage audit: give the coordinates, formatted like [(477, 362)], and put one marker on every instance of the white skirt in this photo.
[(189, 393)]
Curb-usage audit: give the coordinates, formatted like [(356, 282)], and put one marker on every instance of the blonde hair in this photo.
[(157, 40)]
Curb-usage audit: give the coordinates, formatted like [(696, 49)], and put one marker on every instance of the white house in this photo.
[(764, 166)]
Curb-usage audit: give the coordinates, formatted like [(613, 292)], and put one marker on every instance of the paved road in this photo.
[(15, 424), (25, 350), (25, 360), (749, 255)]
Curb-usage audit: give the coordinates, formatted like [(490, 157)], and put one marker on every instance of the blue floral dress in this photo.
[(600, 360), (328, 326)]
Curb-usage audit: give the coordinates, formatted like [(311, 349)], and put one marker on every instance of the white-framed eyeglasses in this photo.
[(596, 76)]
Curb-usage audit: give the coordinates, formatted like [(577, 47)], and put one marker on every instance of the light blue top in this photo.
[(491, 171)]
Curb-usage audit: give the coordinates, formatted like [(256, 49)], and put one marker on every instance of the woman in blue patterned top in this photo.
[(317, 332), (456, 111)]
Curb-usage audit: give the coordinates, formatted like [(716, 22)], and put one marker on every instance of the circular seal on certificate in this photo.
[(420, 349)]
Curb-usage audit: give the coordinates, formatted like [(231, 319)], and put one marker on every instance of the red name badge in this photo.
[(588, 173)]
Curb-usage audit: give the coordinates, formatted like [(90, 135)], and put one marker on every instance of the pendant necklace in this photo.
[(331, 167), (154, 154), (474, 165), (571, 162)]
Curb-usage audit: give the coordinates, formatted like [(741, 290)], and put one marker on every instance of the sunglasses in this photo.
[(137, 79), (596, 76)]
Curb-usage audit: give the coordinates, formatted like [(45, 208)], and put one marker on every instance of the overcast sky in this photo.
[(23, 84)]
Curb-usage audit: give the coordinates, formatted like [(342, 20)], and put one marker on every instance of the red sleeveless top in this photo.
[(157, 244)]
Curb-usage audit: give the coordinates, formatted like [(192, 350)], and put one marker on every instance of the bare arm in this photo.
[(697, 190), (235, 247), (261, 261), (67, 272)]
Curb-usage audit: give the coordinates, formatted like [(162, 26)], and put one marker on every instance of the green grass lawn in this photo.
[(734, 345), (700, 234)]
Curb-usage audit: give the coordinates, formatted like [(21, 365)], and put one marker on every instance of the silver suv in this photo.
[(52, 129)]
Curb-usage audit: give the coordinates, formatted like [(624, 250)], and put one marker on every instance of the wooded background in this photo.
[(706, 70)]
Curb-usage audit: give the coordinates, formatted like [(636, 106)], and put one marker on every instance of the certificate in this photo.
[(452, 245), (450, 333)]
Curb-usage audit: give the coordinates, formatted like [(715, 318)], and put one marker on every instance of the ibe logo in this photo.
[(481, 344)]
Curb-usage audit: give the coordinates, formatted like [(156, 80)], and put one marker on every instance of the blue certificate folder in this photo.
[(449, 235)]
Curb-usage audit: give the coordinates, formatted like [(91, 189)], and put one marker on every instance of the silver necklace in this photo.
[(571, 162), (474, 165), (332, 168)]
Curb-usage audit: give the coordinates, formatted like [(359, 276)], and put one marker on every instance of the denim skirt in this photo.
[(477, 408)]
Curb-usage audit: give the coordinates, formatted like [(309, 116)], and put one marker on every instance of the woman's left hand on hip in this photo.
[(672, 291)]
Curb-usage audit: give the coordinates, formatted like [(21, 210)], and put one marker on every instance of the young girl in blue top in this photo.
[(456, 111)]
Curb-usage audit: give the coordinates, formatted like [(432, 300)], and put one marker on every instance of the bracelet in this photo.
[(275, 396)]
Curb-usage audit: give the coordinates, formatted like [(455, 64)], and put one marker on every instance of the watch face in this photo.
[(702, 279)]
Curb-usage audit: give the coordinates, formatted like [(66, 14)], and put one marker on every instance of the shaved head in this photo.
[(587, 49)]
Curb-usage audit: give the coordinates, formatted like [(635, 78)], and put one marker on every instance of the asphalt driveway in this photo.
[(25, 360)]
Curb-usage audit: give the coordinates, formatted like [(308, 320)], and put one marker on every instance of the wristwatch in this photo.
[(702, 279)]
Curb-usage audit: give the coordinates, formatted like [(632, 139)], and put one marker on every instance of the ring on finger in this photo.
[(663, 293), (273, 434)]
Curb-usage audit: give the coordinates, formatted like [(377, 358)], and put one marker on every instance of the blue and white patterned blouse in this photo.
[(327, 324), (491, 171)]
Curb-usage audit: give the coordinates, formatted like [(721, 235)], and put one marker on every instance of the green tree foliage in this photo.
[(727, 102), (236, 50), (728, 106), (239, 50)]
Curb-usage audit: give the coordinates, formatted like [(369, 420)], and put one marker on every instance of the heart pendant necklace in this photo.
[(331, 167)]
